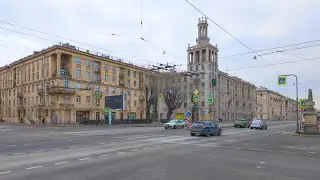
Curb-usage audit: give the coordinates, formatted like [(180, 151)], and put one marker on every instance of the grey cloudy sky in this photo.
[(170, 25)]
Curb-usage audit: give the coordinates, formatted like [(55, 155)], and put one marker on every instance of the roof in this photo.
[(221, 73), (74, 49)]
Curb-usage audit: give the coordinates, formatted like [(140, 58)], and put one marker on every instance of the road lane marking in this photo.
[(28, 144), (39, 150), (133, 150), (102, 143), (146, 148), (73, 146), (120, 152), (5, 172), (17, 153), (57, 149), (11, 145), (34, 167), (104, 155), (83, 159), (64, 162)]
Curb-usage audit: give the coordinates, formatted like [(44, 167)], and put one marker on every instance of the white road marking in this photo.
[(34, 167), (102, 143), (104, 155), (69, 140), (73, 146), (262, 162), (39, 150), (64, 162), (11, 145), (83, 159), (17, 153), (5, 172), (312, 152), (146, 148), (133, 150), (27, 144), (57, 149), (157, 146), (120, 152), (259, 167)]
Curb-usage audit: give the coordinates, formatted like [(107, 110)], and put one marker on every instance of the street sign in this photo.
[(188, 114), (196, 98), (302, 103), (282, 80), (210, 100)]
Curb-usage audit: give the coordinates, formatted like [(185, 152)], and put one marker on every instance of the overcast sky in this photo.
[(169, 25)]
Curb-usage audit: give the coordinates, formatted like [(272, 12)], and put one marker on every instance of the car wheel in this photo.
[(192, 134), (174, 127), (266, 127), (165, 127), (182, 126), (220, 132), (207, 133)]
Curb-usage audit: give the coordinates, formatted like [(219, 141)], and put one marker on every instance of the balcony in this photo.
[(66, 104), (58, 90), (65, 73)]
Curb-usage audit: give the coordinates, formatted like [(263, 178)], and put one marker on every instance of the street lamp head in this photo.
[(254, 57)]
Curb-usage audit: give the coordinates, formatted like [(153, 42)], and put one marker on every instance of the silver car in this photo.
[(174, 124)]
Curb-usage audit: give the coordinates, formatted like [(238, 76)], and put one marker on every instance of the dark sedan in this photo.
[(206, 128)]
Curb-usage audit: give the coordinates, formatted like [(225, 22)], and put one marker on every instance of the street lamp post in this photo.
[(297, 99)]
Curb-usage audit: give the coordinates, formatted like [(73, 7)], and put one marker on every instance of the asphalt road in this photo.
[(154, 153)]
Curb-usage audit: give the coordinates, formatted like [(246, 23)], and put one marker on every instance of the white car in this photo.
[(174, 124)]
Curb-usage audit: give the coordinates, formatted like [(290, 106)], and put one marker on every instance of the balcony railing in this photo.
[(58, 90), (66, 104)]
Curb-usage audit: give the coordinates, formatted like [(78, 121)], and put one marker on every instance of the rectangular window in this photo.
[(88, 99), (97, 101), (89, 86), (134, 83), (78, 72), (66, 84), (78, 87), (88, 76), (88, 63), (114, 90), (114, 71), (97, 88), (95, 66), (128, 72), (113, 79), (95, 78), (78, 60), (106, 67), (78, 99), (106, 78), (134, 74)]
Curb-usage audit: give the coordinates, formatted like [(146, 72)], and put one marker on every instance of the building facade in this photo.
[(274, 106), (237, 98), (233, 97), (64, 85)]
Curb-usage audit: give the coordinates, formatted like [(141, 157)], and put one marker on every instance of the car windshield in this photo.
[(257, 121), (172, 121)]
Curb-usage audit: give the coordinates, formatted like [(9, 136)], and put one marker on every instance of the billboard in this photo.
[(115, 102)]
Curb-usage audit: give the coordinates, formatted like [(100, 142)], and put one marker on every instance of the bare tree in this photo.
[(152, 92), (174, 94)]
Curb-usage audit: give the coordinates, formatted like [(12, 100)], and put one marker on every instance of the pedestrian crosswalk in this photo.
[(5, 128)]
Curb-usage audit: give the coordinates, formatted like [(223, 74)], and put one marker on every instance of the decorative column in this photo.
[(58, 63)]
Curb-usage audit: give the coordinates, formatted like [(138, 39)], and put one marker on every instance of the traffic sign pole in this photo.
[(282, 80)]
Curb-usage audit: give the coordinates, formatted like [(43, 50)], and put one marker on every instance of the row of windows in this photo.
[(106, 67)]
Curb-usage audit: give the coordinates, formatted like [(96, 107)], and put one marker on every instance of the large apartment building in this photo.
[(274, 106), (64, 84)]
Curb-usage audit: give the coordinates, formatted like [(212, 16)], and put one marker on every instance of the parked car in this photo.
[(206, 128), (174, 124), (258, 124), (244, 123)]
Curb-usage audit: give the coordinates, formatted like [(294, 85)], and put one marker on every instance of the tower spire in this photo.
[(202, 31)]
